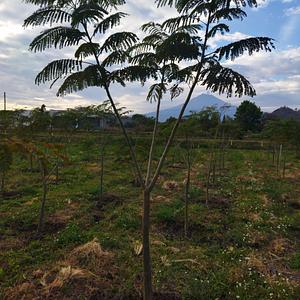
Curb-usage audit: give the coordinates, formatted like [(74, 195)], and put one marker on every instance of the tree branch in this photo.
[(174, 130)]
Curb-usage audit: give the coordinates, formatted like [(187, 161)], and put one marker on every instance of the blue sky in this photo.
[(278, 19), (276, 75)]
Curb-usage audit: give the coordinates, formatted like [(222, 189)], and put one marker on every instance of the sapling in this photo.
[(183, 39), (211, 170), (190, 157), (6, 159), (49, 162), (44, 176), (102, 154)]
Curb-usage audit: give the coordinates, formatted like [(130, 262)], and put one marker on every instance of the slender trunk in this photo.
[(208, 181), (189, 96), (2, 183), (31, 162), (56, 173), (118, 116), (150, 159), (223, 152), (212, 166), (173, 132), (214, 169), (279, 158), (101, 173), (42, 209), (147, 292), (284, 166), (132, 153), (154, 134), (187, 197)]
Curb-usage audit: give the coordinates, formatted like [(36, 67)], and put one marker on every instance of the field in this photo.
[(244, 244)]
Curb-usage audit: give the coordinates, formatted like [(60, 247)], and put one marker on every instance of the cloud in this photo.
[(262, 4), (230, 37), (293, 11), (264, 66), (273, 75)]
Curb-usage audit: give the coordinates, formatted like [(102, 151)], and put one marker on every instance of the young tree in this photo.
[(40, 119), (205, 69), (5, 164), (50, 157), (184, 38)]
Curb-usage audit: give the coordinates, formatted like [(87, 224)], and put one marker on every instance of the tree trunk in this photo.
[(208, 182), (284, 166), (42, 209), (2, 183), (148, 293), (101, 173), (187, 192), (56, 173), (278, 161), (31, 162), (214, 171)]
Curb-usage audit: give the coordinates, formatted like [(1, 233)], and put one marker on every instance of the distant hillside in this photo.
[(283, 113), (197, 104)]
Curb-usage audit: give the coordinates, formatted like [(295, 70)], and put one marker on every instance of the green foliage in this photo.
[(283, 132), (226, 81), (58, 69), (128, 221), (47, 15), (57, 37), (168, 212), (211, 263), (250, 45), (81, 16), (91, 76), (109, 22), (143, 123), (248, 115), (186, 28), (72, 234)]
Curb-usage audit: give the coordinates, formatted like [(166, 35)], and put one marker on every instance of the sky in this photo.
[(275, 76)]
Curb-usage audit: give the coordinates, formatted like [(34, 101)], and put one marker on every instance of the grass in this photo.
[(244, 245)]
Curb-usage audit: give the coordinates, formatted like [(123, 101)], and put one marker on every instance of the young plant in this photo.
[(190, 156), (49, 162), (6, 159), (185, 42)]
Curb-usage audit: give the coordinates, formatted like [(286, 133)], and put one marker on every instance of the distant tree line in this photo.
[(248, 121)]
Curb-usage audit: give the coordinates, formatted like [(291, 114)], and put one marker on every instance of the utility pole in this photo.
[(4, 101), (4, 113)]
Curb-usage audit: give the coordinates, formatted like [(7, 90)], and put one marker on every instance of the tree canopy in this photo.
[(249, 116)]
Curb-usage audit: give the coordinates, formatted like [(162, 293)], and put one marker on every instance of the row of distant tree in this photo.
[(41, 120), (249, 119)]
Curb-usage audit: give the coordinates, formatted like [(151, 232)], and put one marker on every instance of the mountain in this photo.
[(284, 113), (197, 104)]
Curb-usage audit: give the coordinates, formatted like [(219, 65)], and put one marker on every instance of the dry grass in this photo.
[(88, 270), (170, 185)]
